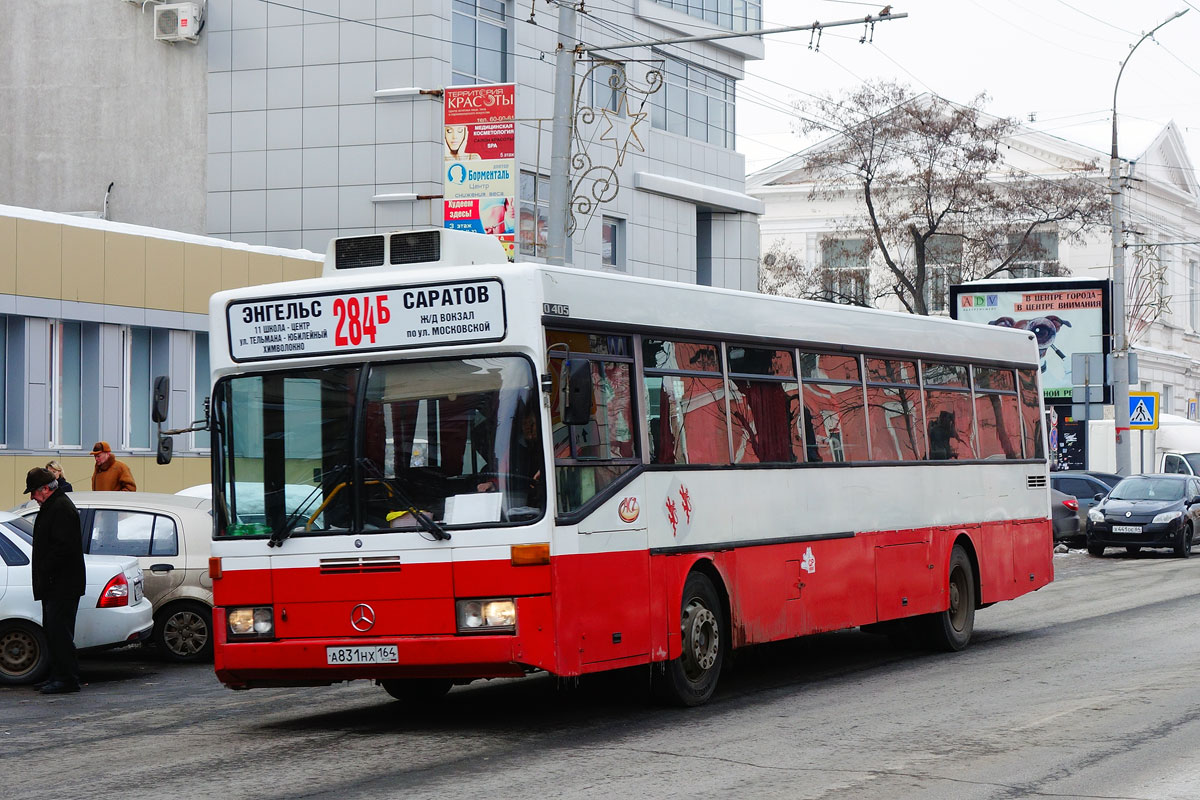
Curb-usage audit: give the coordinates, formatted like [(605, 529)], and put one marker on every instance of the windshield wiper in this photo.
[(285, 530), (426, 522)]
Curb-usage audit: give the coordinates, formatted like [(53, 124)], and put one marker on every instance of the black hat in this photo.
[(36, 478)]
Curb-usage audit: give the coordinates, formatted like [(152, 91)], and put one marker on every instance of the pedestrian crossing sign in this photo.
[(1143, 411)]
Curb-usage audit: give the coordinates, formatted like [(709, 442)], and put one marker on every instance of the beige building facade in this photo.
[(90, 312)]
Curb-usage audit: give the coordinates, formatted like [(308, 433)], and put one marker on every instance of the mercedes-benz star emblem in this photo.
[(362, 617)]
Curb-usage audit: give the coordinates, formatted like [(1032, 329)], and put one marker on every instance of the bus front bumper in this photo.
[(306, 661)]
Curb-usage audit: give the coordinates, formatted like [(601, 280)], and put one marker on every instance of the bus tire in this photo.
[(950, 630), (691, 679), (417, 692)]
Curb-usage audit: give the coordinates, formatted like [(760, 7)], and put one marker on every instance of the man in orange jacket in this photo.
[(110, 475)]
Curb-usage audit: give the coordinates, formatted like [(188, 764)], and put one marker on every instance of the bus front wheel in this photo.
[(417, 692), (691, 679), (951, 629)]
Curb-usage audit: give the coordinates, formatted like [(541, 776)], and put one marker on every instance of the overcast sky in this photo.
[(1055, 59)]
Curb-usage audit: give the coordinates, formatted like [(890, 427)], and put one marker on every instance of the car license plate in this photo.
[(382, 654), (1127, 528)]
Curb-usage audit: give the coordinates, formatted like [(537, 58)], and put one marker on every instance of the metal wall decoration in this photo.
[(621, 123), (1147, 299)]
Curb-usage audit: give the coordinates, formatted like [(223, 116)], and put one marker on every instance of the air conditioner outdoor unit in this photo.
[(177, 22)]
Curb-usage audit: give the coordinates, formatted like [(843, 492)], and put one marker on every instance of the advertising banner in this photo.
[(1065, 316), (480, 175)]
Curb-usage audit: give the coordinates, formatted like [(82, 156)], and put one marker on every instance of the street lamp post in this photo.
[(1120, 347)]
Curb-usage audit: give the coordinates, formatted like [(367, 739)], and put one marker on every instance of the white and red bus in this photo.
[(434, 466)]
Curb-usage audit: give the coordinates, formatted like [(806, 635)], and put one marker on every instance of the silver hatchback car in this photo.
[(171, 536)]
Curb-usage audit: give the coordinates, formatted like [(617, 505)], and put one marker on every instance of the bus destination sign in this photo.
[(366, 319)]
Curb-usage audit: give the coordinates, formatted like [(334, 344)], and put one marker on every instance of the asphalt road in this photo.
[(1089, 688)]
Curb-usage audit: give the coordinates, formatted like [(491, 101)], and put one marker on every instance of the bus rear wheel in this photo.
[(951, 629), (691, 679)]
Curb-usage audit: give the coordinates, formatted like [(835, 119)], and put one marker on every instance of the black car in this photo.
[(1146, 511), (1083, 486)]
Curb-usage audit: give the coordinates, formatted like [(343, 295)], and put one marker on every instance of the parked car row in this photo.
[(1140, 511), (165, 538)]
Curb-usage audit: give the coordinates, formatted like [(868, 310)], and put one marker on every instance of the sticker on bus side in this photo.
[(367, 319)]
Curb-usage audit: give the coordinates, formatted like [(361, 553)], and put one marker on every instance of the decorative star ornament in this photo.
[(622, 127)]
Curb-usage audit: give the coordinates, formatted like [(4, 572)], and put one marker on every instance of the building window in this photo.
[(66, 343), (845, 270), (1037, 257), (3, 381), (612, 253), (1194, 295), (943, 258), (200, 387), (734, 15), (601, 79), (694, 102), (480, 50), (534, 222), (146, 356), (535, 203)]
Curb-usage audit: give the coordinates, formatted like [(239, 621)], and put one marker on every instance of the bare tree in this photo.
[(934, 188), (784, 272)]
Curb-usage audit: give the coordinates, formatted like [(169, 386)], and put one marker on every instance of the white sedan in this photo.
[(112, 611)]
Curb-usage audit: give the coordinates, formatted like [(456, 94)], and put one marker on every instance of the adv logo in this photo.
[(979, 301)]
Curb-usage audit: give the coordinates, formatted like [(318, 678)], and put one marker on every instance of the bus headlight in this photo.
[(486, 616), (257, 621)]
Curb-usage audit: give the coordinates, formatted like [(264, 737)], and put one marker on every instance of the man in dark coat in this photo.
[(58, 575)]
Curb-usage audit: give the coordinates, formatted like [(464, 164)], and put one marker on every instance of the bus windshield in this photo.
[(457, 441)]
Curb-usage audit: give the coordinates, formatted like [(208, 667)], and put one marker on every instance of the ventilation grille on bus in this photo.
[(359, 251), (417, 247), (356, 565), (1035, 481)]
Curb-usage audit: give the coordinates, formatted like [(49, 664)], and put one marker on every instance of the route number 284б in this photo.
[(358, 318)]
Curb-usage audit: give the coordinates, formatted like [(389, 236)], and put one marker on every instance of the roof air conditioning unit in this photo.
[(177, 22)]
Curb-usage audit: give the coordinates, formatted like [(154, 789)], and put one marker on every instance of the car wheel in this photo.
[(1184, 548), (691, 679), (1132, 549), (183, 631), (417, 692), (23, 654), (1095, 549)]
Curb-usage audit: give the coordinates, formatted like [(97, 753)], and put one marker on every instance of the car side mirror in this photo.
[(160, 399), (1193, 500), (1100, 496)]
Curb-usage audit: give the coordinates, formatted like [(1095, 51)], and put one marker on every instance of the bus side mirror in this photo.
[(166, 448), (578, 402), (160, 400)]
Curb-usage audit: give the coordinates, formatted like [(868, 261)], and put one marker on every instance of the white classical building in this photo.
[(1162, 224)]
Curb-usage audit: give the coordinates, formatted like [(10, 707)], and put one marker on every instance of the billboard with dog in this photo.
[(1065, 315)]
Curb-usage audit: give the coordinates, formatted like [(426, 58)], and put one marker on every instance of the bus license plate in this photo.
[(383, 654), (1127, 528)]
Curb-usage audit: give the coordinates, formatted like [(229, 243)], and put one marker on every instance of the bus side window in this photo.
[(589, 457)]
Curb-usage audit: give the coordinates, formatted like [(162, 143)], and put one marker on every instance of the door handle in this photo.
[(161, 567)]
